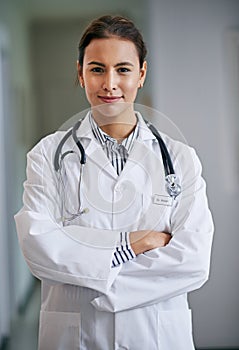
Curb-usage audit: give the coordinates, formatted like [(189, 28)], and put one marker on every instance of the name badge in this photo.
[(162, 200)]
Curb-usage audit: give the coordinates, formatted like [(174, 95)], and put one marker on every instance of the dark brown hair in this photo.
[(108, 26)]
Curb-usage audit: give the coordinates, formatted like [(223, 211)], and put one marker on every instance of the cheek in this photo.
[(132, 86), (91, 88), (91, 84)]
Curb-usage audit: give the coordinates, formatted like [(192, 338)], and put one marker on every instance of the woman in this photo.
[(116, 254)]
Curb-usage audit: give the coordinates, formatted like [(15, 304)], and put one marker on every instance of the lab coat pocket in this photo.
[(175, 330), (59, 331)]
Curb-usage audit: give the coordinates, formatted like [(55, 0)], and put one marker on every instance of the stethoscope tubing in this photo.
[(78, 143), (57, 157), (167, 162), (172, 185)]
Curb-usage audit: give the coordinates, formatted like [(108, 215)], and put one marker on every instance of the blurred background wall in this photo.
[(193, 78)]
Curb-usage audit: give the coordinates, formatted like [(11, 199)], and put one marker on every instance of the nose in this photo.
[(110, 82)]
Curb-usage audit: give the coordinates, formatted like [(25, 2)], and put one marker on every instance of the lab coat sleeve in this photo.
[(178, 268), (71, 254)]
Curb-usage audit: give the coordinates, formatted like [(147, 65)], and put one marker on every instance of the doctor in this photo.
[(116, 255)]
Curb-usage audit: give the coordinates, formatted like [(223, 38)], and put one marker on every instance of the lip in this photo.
[(110, 99)]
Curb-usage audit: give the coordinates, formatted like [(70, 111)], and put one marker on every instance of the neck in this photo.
[(119, 126), (119, 131)]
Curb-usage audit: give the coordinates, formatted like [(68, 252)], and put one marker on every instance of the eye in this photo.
[(97, 70), (123, 70)]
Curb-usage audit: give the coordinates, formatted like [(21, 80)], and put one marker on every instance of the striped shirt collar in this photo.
[(104, 138)]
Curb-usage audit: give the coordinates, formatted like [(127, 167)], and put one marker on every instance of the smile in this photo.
[(110, 99)]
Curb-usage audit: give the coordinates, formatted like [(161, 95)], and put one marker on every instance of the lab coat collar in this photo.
[(94, 150), (85, 130), (145, 133)]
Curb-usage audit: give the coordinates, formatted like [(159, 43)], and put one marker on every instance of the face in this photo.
[(111, 74)]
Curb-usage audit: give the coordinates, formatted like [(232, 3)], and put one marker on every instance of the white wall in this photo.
[(189, 85), (4, 266), (16, 86)]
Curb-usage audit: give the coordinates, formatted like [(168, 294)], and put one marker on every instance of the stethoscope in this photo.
[(171, 181)]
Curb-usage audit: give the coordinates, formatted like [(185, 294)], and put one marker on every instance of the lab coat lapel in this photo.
[(137, 155), (142, 148), (94, 152)]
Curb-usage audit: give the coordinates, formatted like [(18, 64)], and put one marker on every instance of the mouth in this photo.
[(110, 99)]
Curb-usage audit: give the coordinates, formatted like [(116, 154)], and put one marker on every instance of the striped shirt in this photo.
[(118, 154)]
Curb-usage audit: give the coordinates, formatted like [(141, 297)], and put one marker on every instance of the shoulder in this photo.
[(184, 157), (49, 143), (178, 148), (43, 153)]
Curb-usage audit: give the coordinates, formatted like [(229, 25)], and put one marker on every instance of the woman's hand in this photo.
[(144, 240)]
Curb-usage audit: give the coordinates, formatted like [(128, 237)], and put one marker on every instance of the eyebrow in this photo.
[(126, 63)]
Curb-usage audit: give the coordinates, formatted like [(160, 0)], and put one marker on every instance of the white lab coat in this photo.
[(142, 304)]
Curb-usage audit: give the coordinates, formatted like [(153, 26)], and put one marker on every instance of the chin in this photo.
[(118, 110)]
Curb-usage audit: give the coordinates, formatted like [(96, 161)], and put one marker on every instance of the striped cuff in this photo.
[(123, 251)]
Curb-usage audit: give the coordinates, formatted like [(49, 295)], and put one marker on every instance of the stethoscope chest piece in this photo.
[(172, 185), (171, 181)]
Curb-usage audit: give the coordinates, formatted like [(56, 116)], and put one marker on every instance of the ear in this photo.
[(143, 72), (80, 74)]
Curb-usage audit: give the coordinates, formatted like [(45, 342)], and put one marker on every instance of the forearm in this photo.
[(145, 240), (123, 251), (67, 254), (161, 273)]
